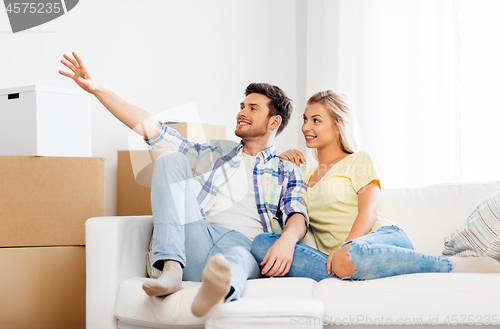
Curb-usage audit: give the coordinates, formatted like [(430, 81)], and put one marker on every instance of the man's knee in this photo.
[(173, 157), (172, 164)]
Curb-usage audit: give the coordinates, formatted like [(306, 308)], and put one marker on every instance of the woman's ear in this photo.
[(337, 130)]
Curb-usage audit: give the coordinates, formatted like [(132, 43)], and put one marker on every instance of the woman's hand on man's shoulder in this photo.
[(294, 156)]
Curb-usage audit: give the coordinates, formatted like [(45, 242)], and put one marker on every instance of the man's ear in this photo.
[(275, 122)]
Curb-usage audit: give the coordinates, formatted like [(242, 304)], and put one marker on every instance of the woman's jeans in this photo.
[(379, 254), (180, 233)]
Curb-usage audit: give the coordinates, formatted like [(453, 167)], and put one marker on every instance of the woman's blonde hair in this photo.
[(340, 109)]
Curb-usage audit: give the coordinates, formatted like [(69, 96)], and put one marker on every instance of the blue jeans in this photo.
[(379, 254), (180, 233)]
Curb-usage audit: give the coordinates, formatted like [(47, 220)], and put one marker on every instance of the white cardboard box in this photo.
[(45, 121)]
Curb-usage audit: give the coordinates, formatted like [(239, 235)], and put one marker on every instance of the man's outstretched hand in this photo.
[(80, 74)]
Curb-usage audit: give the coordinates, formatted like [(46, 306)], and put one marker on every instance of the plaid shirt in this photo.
[(279, 187)]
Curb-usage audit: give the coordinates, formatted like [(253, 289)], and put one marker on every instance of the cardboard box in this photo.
[(200, 133), (42, 287), (135, 168), (45, 201), (45, 121), (133, 198)]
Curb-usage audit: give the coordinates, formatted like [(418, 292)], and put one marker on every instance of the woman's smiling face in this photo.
[(318, 128)]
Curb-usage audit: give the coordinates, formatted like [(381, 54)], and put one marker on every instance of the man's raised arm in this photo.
[(133, 117)]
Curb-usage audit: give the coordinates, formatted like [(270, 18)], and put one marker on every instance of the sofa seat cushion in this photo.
[(269, 313), (422, 296), (136, 308)]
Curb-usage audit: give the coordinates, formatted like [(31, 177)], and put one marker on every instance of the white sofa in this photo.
[(116, 268)]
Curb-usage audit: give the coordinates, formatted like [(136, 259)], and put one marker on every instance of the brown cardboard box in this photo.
[(45, 201), (135, 168), (42, 288), (200, 133), (133, 199)]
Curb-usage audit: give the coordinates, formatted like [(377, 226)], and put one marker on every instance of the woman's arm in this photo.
[(367, 210), (367, 216)]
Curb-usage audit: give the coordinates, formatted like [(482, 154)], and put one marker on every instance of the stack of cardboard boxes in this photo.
[(48, 189), (49, 186)]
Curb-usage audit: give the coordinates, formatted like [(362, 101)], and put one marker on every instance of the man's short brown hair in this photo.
[(279, 103)]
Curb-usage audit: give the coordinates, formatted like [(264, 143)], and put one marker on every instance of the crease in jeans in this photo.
[(214, 243)]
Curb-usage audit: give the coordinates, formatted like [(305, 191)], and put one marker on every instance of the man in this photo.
[(210, 201)]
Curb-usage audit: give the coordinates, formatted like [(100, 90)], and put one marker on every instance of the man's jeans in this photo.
[(180, 233), (379, 254)]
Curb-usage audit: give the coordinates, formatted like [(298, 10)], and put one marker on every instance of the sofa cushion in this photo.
[(269, 312), (134, 307), (480, 235), (428, 214), (424, 296), (279, 287)]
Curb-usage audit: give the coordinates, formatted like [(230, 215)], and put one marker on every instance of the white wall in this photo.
[(398, 65), (160, 54)]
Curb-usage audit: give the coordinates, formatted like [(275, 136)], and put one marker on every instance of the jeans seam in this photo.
[(313, 254)]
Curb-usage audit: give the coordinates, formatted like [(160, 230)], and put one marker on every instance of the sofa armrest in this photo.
[(115, 250)]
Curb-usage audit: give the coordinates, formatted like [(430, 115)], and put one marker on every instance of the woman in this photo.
[(355, 241)]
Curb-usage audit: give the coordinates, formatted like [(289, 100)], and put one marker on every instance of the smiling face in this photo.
[(252, 120), (319, 128)]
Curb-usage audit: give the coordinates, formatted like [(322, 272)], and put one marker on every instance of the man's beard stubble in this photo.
[(254, 131)]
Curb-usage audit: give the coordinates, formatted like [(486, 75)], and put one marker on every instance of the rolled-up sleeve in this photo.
[(294, 195), (169, 139)]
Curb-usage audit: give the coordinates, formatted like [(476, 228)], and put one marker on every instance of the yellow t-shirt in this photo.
[(333, 202)]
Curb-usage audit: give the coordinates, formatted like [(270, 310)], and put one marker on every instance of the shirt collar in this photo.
[(267, 154)]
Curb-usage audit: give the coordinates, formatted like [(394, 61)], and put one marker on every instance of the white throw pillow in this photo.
[(480, 236)]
